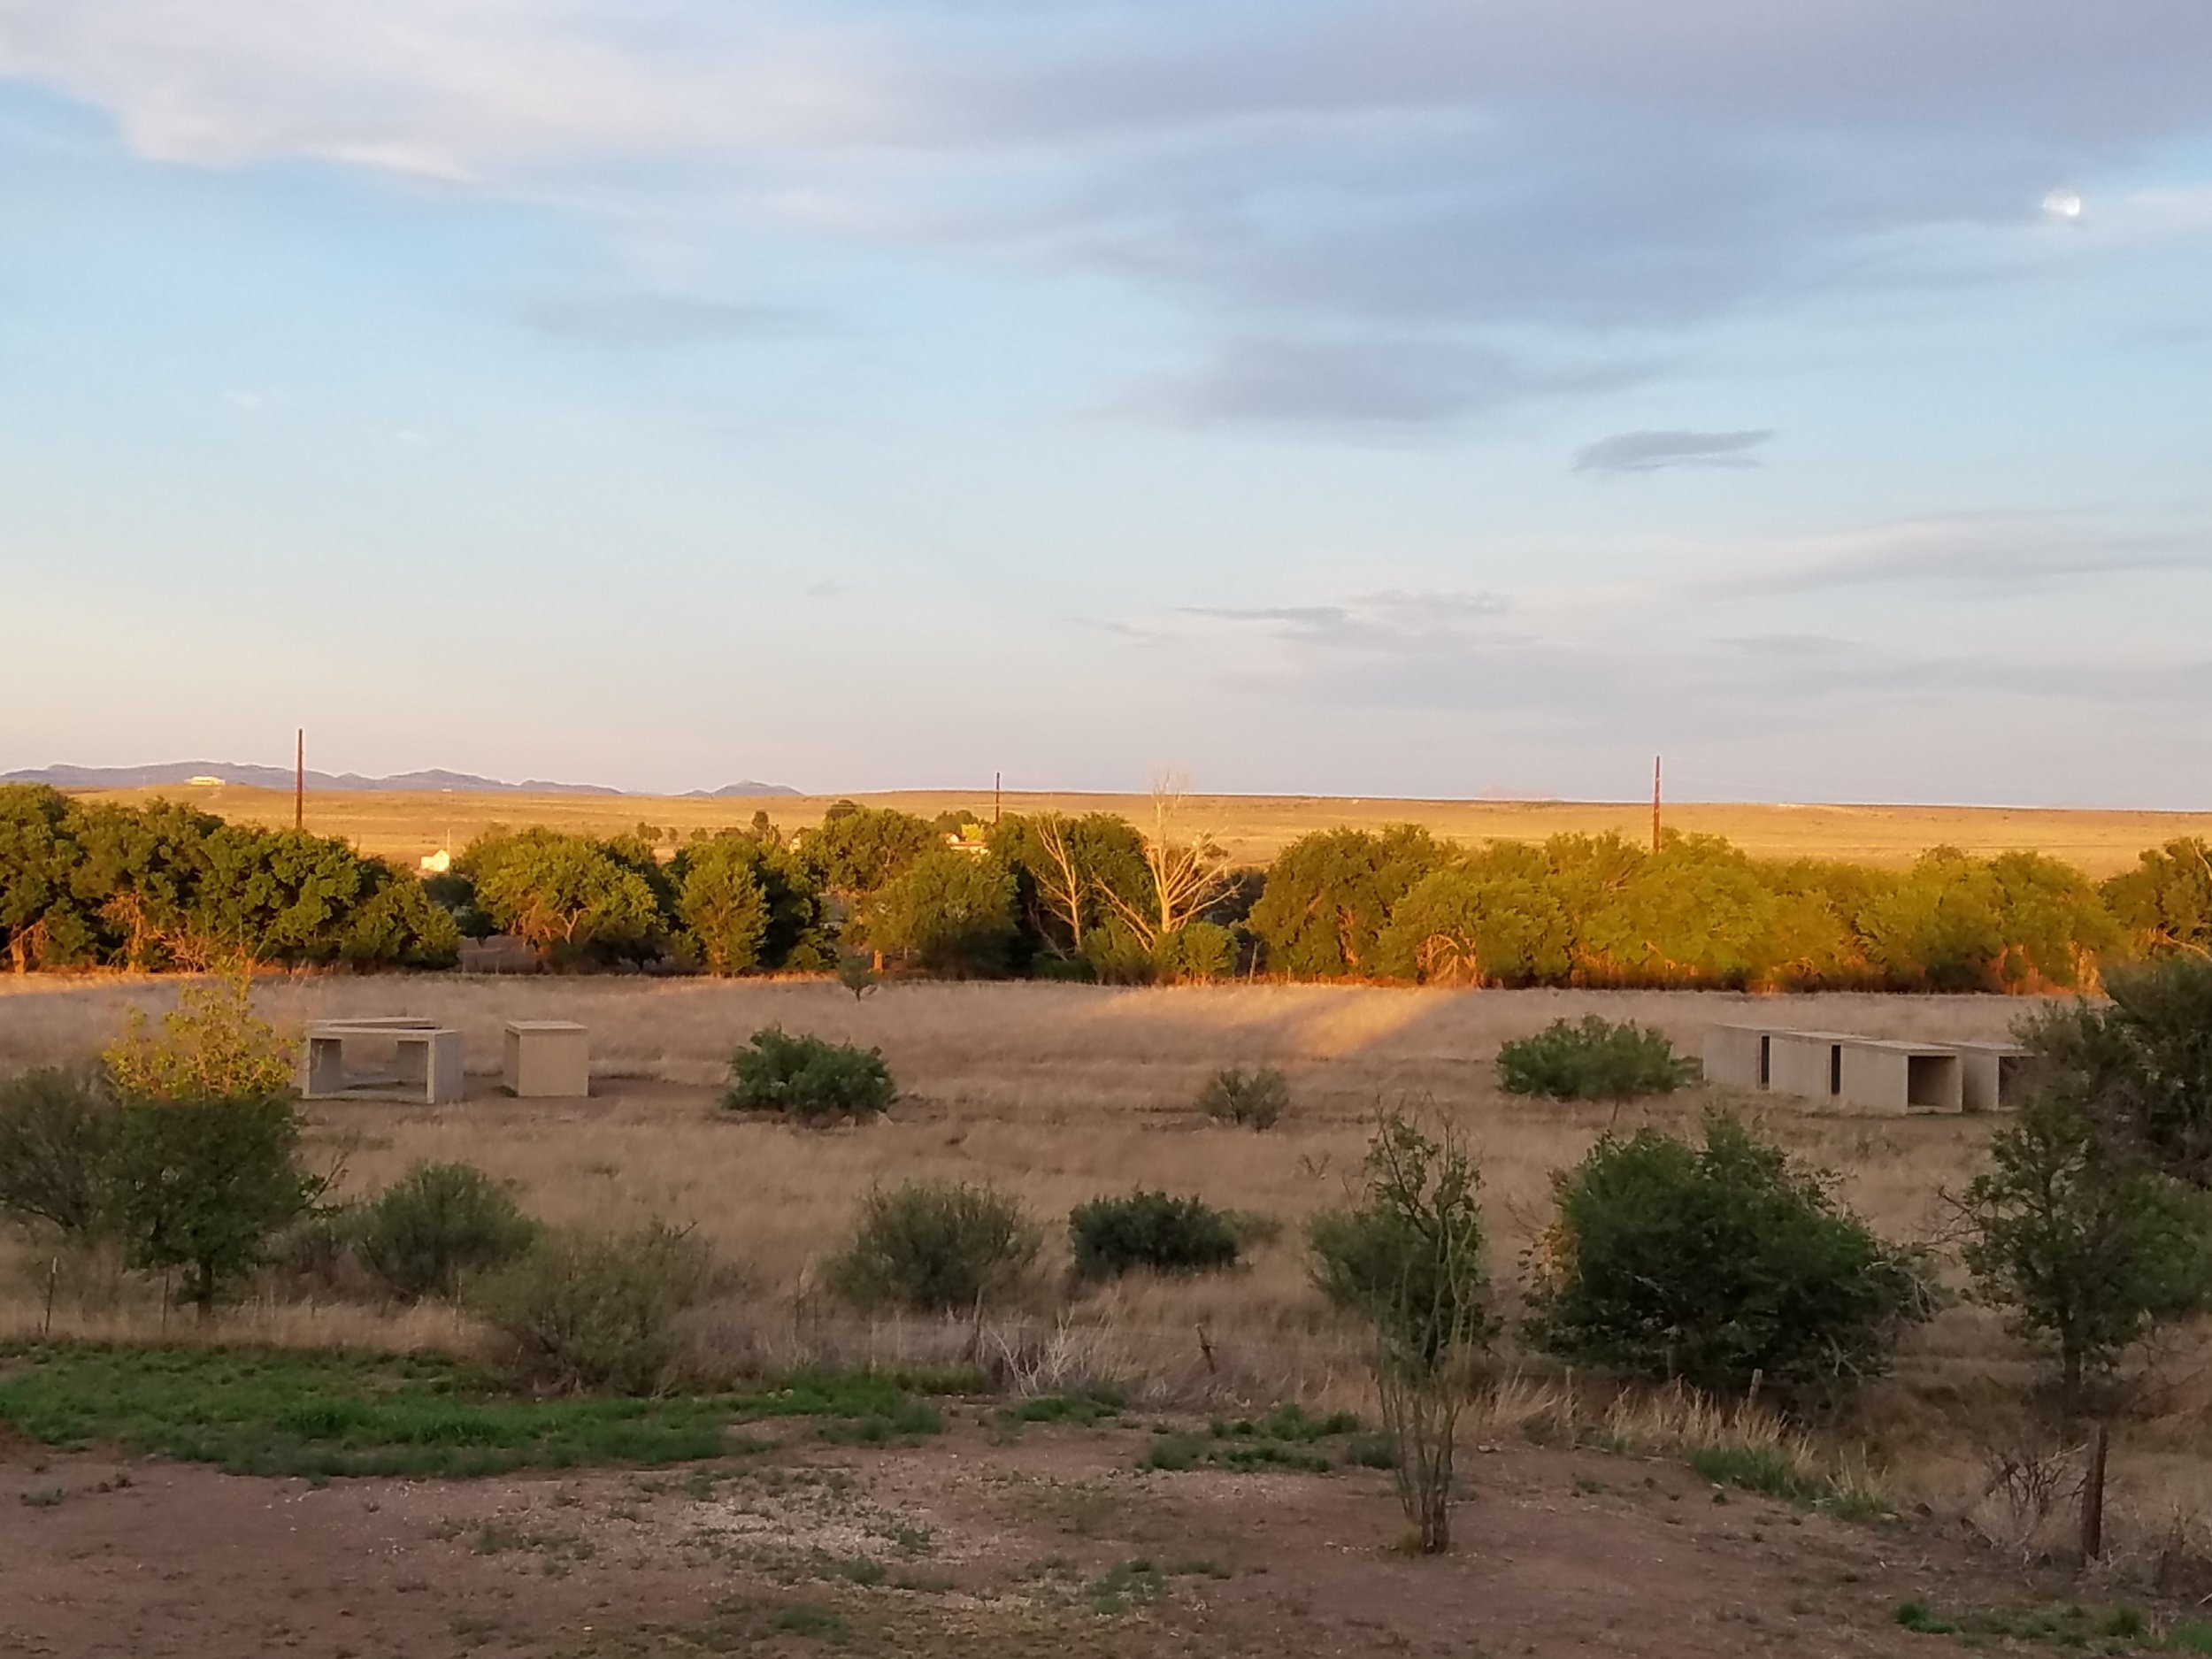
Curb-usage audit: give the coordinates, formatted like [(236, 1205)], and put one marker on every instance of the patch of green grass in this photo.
[(324, 1413), (1128, 1585), (1759, 1468), (2113, 1630), (1287, 1437), (803, 1618), (1082, 1411)]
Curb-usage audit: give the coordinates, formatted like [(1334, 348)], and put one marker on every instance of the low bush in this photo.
[(935, 1246), (585, 1312), (1593, 1059), (1113, 1236), (1709, 1262), (1256, 1099), (59, 1131), (809, 1079), (438, 1225)]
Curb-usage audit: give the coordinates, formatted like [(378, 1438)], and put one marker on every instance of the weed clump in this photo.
[(1593, 1059), (438, 1225), (809, 1080), (1255, 1099), (1154, 1230), (935, 1246)]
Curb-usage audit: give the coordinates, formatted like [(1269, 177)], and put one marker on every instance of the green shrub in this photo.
[(1256, 1099), (1113, 1236), (60, 1133), (935, 1246), (1593, 1059), (207, 1183), (584, 1312), (1709, 1262), (808, 1077), (437, 1224), (1196, 951)]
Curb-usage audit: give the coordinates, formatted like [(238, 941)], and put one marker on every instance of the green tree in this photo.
[(1071, 873), (59, 1130), (206, 1184), (439, 1224), (854, 853), (2165, 903), (572, 897), (43, 919), (947, 912), (2090, 1248), (2140, 1064), (1479, 925), (1330, 895), (1711, 1263), (744, 902)]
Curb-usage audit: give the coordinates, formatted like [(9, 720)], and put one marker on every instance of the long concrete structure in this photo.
[(1875, 1074)]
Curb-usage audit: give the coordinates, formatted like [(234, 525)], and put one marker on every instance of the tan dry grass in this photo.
[(1255, 828)]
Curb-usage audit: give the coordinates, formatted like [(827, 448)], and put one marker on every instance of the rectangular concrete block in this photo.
[(396, 1059), (1902, 1077), (1992, 1074), (1808, 1063), (548, 1059), (1735, 1056)]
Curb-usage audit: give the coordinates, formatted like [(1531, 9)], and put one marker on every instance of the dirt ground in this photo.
[(986, 1539)]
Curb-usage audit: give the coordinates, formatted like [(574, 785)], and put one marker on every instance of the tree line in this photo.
[(1089, 897)]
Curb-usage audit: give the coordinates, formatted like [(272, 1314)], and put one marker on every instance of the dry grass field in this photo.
[(1254, 828), (1058, 1093)]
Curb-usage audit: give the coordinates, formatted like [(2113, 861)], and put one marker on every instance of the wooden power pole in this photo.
[(299, 778), (1654, 803), (998, 795)]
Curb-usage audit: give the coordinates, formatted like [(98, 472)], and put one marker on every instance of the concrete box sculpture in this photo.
[(1903, 1077), (548, 1059), (1992, 1074), (417, 1061)]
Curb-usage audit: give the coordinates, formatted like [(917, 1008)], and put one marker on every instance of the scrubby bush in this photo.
[(1593, 1059), (935, 1246), (1255, 1099), (438, 1225), (587, 1312), (211, 1046), (60, 1129), (1709, 1262), (2088, 1246), (1154, 1230), (809, 1079), (1195, 952), (1408, 1260)]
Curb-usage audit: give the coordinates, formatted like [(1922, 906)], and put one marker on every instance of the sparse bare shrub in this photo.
[(1151, 1231), (588, 1313), (437, 1225), (1409, 1260), (936, 1246), (1253, 1099), (808, 1078)]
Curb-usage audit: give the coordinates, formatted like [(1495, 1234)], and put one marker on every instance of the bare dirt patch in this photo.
[(984, 1541)]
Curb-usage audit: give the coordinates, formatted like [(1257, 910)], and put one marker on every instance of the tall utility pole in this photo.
[(1654, 803), (299, 778), (998, 796)]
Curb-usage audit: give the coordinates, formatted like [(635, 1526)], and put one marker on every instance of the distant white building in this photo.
[(203, 783), (438, 863)]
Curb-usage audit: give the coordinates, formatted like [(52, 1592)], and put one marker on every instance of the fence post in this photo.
[(2092, 1497)]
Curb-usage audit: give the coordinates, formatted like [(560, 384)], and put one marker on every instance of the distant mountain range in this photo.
[(185, 772)]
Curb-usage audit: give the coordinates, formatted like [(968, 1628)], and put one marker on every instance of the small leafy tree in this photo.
[(1253, 1099), (2140, 1065), (60, 1128), (946, 912), (206, 1184), (437, 1225), (211, 1046), (2087, 1245), (935, 1246), (1593, 1059), (1152, 1231), (1709, 1262), (1408, 1260), (809, 1079)]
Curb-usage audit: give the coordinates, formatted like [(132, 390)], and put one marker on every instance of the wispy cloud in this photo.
[(1655, 451), (1977, 551)]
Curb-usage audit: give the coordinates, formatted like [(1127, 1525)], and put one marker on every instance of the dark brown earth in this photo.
[(984, 1540)]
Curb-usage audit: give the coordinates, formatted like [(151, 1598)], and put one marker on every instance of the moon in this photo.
[(2063, 204)]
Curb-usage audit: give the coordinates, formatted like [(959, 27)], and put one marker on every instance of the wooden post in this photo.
[(299, 778), (2092, 1497), (1751, 1399), (1654, 803), (998, 796)]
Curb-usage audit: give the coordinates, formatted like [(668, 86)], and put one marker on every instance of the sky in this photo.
[(1372, 397)]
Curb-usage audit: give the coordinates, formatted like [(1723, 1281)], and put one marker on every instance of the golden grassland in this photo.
[(1061, 1092), (1253, 828)]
